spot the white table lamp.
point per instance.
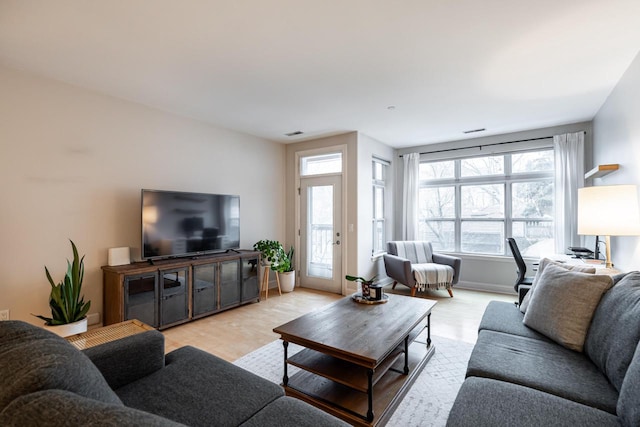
(608, 210)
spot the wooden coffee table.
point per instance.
(360, 359)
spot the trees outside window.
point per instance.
(472, 204)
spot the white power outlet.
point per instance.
(4, 314)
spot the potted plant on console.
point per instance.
(68, 309)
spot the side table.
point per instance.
(108, 333)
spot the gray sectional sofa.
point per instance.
(45, 381)
(518, 376)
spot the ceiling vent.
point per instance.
(295, 133)
(474, 130)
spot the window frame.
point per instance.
(379, 184)
(507, 179)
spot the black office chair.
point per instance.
(520, 264)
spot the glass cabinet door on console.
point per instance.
(174, 298)
(205, 289)
(250, 287)
(140, 298)
(229, 279)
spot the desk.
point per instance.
(598, 264)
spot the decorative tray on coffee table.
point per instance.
(357, 297)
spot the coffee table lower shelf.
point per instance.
(350, 404)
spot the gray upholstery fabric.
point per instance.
(485, 402)
(58, 408)
(34, 359)
(399, 267)
(193, 383)
(615, 329)
(629, 400)
(544, 262)
(541, 365)
(129, 359)
(287, 411)
(563, 303)
(505, 317)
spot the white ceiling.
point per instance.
(268, 67)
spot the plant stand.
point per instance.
(265, 282)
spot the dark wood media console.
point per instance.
(174, 291)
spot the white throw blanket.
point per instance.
(432, 276)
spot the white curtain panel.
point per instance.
(410, 196)
(569, 159)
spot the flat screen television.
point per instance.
(177, 224)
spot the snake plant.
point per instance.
(66, 302)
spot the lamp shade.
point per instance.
(608, 210)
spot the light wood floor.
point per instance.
(236, 332)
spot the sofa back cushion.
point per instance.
(615, 329)
(629, 401)
(543, 263)
(563, 304)
(416, 251)
(33, 359)
(57, 408)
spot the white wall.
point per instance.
(616, 130)
(367, 149)
(72, 163)
(481, 272)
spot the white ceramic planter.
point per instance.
(69, 329)
(287, 281)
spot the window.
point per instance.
(321, 164)
(472, 204)
(379, 182)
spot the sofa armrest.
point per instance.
(128, 359)
(399, 269)
(452, 261)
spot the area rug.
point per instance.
(428, 401)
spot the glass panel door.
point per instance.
(321, 233)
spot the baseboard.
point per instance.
(485, 287)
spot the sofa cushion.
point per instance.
(629, 401)
(59, 408)
(484, 402)
(505, 317)
(172, 392)
(544, 262)
(34, 359)
(541, 365)
(287, 411)
(615, 329)
(563, 303)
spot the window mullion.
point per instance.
(458, 207)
